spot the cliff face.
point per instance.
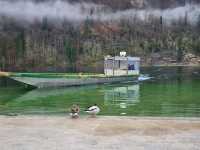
(67, 46)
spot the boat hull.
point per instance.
(64, 82)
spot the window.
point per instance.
(109, 64)
(131, 65)
(123, 65)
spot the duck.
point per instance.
(93, 110)
(75, 109)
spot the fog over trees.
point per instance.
(44, 35)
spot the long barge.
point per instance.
(116, 69)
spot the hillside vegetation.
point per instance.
(70, 46)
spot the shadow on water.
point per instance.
(174, 91)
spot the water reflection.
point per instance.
(122, 96)
(38, 94)
(172, 92)
(111, 98)
(180, 109)
(113, 95)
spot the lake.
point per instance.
(173, 91)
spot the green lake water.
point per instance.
(173, 91)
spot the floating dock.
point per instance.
(45, 80)
(116, 69)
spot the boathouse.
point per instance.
(121, 65)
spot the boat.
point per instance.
(116, 69)
(144, 77)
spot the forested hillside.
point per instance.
(79, 42)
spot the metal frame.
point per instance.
(111, 66)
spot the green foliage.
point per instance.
(46, 46)
(45, 24)
(71, 53)
(20, 43)
(87, 28)
(180, 50)
(198, 22)
(196, 46)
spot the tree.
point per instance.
(179, 50)
(20, 43)
(70, 53)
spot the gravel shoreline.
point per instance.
(101, 133)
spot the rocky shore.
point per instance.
(157, 59)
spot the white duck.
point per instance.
(93, 110)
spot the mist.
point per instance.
(58, 10)
(192, 12)
(54, 10)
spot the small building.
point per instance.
(121, 65)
